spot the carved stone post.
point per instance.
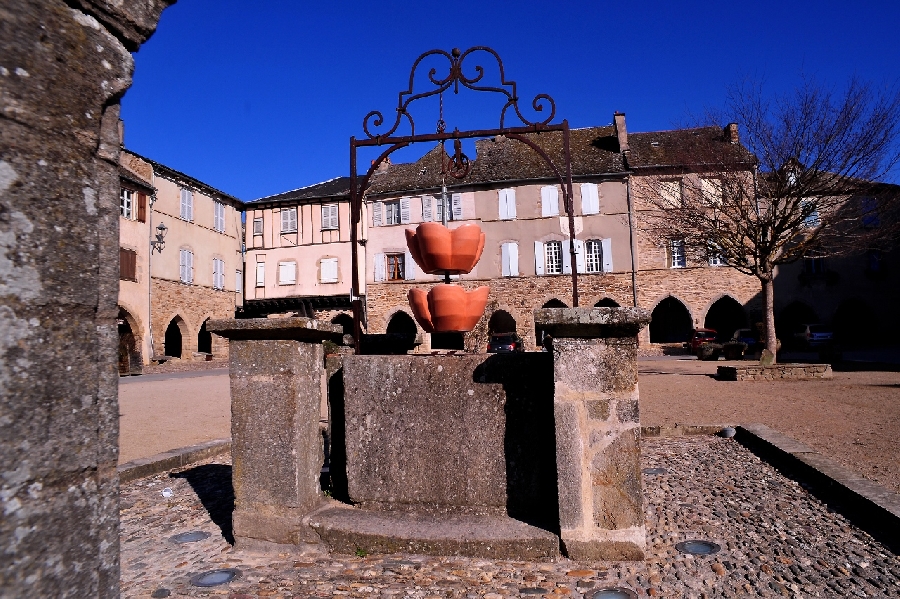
(277, 379)
(597, 430)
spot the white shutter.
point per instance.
(510, 256)
(285, 221)
(379, 268)
(182, 276)
(567, 257)
(287, 273)
(579, 256)
(504, 260)
(538, 258)
(427, 211)
(260, 274)
(329, 270)
(376, 214)
(606, 247)
(409, 267)
(190, 205)
(190, 265)
(549, 200)
(456, 204)
(507, 204)
(335, 217)
(590, 198)
(238, 281)
(404, 211)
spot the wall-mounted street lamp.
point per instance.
(159, 243)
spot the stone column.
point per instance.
(598, 430)
(277, 369)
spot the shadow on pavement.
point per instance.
(212, 484)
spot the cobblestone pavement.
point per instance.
(776, 541)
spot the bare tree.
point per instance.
(809, 183)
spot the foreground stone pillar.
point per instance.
(598, 430)
(277, 378)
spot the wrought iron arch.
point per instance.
(458, 165)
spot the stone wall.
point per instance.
(62, 72)
(193, 304)
(776, 372)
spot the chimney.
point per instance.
(383, 167)
(621, 131)
(731, 133)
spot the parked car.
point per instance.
(747, 336)
(505, 342)
(813, 335)
(699, 337)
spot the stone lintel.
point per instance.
(308, 330)
(591, 323)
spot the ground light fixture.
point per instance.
(190, 537)
(611, 593)
(654, 471)
(215, 577)
(697, 547)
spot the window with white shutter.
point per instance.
(509, 257)
(404, 211)
(395, 267)
(219, 216)
(606, 253)
(507, 204)
(553, 259)
(260, 274)
(391, 212)
(258, 226)
(126, 203)
(328, 270)
(186, 264)
(580, 262)
(376, 214)
(238, 281)
(593, 249)
(287, 273)
(329, 217)
(218, 274)
(379, 267)
(289, 220)
(427, 208)
(549, 200)
(456, 206)
(567, 257)
(590, 198)
(538, 258)
(187, 204)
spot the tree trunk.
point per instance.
(768, 288)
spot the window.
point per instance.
(509, 256)
(671, 193)
(329, 217)
(260, 274)
(549, 200)
(187, 204)
(593, 250)
(287, 273)
(814, 265)
(810, 213)
(712, 190)
(186, 262)
(219, 216)
(289, 220)
(238, 281)
(392, 212)
(590, 198)
(716, 259)
(395, 267)
(455, 201)
(257, 226)
(676, 252)
(218, 274)
(870, 218)
(328, 270)
(507, 204)
(553, 257)
(126, 203)
(127, 265)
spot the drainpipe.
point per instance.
(151, 200)
(631, 240)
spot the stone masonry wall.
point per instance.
(62, 72)
(193, 304)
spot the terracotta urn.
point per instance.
(439, 250)
(448, 308)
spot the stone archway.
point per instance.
(854, 323)
(554, 303)
(607, 302)
(176, 333)
(130, 358)
(501, 321)
(345, 321)
(204, 339)
(791, 317)
(670, 322)
(725, 316)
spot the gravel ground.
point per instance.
(853, 418)
(776, 541)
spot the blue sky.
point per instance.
(257, 97)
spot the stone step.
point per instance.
(347, 530)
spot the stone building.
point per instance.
(167, 291)
(515, 198)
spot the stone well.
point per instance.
(506, 456)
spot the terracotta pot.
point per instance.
(448, 308)
(438, 250)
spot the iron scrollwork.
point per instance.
(455, 78)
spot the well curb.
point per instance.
(869, 505)
(174, 458)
